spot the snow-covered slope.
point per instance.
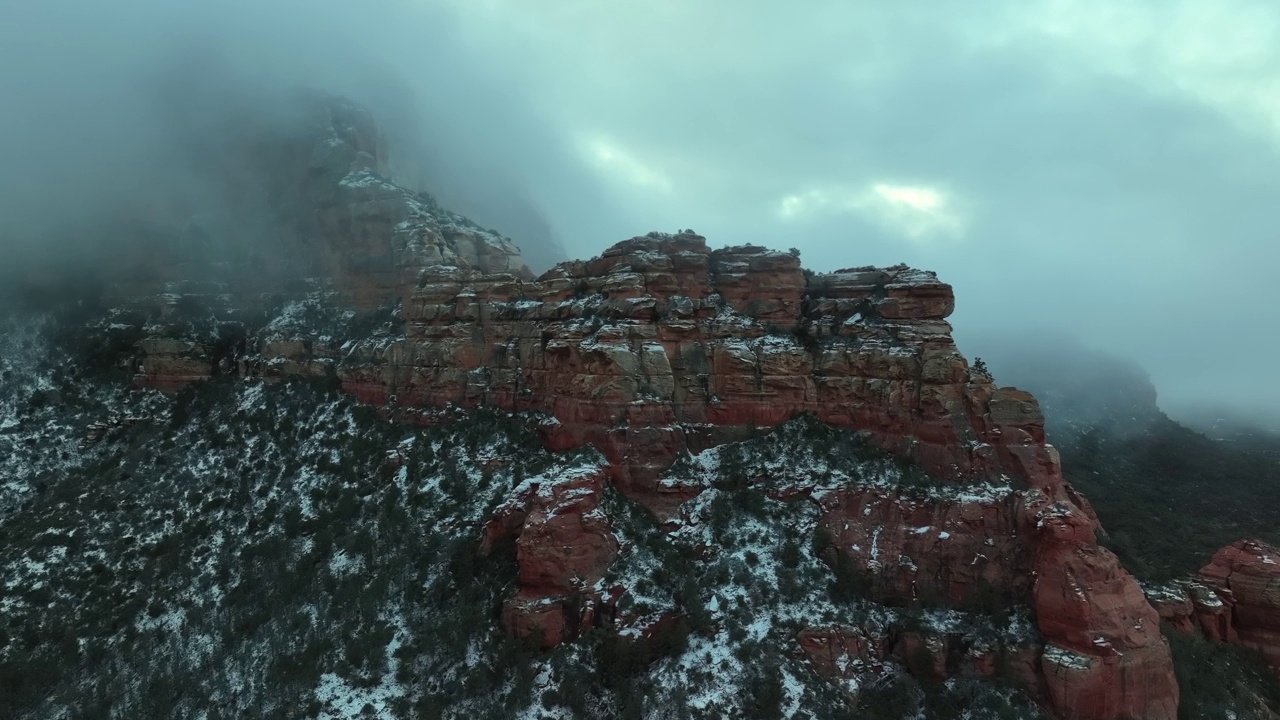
(278, 550)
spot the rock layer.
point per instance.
(1105, 656)
(1235, 599)
(661, 345)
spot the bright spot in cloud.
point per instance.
(922, 199)
(615, 161)
(798, 206)
(917, 213)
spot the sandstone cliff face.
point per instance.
(685, 347)
(1245, 576)
(564, 544)
(377, 236)
(661, 347)
(1235, 598)
(855, 655)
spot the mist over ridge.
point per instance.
(1031, 156)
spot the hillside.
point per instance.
(376, 468)
(282, 551)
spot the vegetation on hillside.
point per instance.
(280, 551)
(1170, 497)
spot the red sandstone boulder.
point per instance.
(917, 295)
(1246, 577)
(169, 364)
(544, 621)
(564, 545)
(759, 283)
(1115, 686)
(1212, 614)
(1104, 656)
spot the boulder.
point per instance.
(1245, 577)
(564, 545)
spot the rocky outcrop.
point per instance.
(1235, 598)
(844, 652)
(173, 363)
(1174, 606)
(1104, 655)
(1245, 576)
(662, 346)
(563, 545)
(1213, 616)
(302, 194)
(957, 549)
(686, 347)
(1190, 606)
(856, 656)
(353, 224)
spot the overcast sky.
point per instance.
(1110, 173)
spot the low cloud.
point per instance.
(914, 213)
(1109, 172)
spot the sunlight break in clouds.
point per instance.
(915, 212)
(622, 165)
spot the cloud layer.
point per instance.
(1106, 171)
